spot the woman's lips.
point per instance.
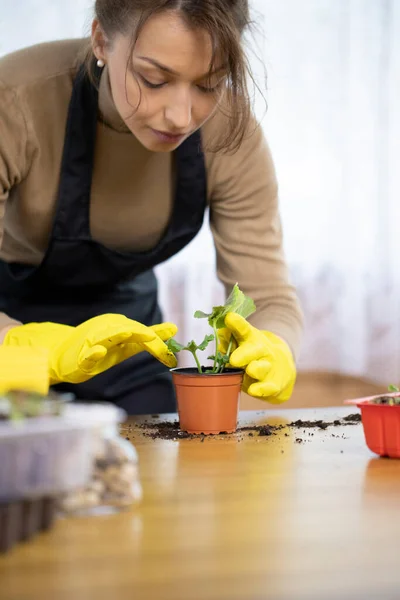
(168, 138)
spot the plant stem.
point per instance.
(215, 367)
(197, 362)
(228, 352)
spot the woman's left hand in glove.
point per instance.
(270, 370)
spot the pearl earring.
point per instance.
(100, 63)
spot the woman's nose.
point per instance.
(178, 113)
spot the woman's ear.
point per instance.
(99, 42)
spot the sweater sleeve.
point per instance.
(13, 161)
(246, 226)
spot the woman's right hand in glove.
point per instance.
(77, 354)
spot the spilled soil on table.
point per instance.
(167, 430)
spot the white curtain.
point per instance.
(333, 124)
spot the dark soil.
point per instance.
(307, 424)
(170, 430)
(349, 420)
(355, 418)
(163, 430)
(263, 430)
(266, 430)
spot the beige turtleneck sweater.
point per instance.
(131, 197)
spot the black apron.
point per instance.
(80, 278)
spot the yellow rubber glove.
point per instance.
(270, 371)
(78, 353)
(24, 369)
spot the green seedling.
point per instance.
(236, 302)
(393, 401)
(389, 400)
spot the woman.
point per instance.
(107, 165)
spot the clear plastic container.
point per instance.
(115, 483)
(102, 416)
(69, 456)
(44, 456)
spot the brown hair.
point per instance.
(224, 20)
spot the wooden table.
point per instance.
(239, 517)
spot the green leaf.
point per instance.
(222, 359)
(205, 342)
(191, 346)
(239, 303)
(236, 302)
(199, 314)
(174, 346)
(393, 388)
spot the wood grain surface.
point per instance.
(304, 514)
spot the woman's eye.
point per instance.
(207, 89)
(153, 86)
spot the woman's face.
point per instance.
(168, 94)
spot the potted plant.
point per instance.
(380, 417)
(208, 396)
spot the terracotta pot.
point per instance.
(207, 403)
(381, 423)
